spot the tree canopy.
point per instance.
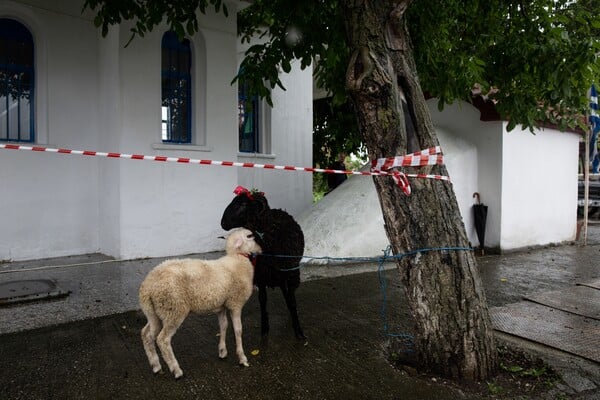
(535, 59)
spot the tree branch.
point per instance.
(394, 31)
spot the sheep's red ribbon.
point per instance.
(242, 190)
(251, 257)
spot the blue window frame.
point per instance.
(16, 82)
(176, 83)
(248, 120)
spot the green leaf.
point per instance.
(511, 125)
(98, 21)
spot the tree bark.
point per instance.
(454, 336)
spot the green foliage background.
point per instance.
(536, 59)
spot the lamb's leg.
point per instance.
(222, 316)
(149, 333)
(264, 316)
(164, 344)
(289, 295)
(236, 320)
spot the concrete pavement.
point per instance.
(87, 345)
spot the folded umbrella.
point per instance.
(480, 217)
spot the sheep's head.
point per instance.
(242, 241)
(245, 207)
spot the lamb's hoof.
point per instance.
(157, 370)
(223, 354)
(178, 374)
(244, 364)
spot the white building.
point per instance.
(528, 181)
(93, 93)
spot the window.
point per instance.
(248, 121)
(16, 82)
(176, 109)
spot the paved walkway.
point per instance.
(103, 358)
(345, 357)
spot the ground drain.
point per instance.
(29, 290)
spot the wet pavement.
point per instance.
(87, 345)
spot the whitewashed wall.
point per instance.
(349, 223)
(516, 174)
(93, 93)
(460, 157)
(287, 140)
(539, 187)
(290, 127)
(50, 202)
(473, 154)
(109, 111)
(169, 208)
(528, 182)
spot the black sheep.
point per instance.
(278, 234)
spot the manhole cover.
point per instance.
(29, 290)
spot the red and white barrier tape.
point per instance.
(420, 158)
(430, 156)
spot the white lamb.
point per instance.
(175, 288)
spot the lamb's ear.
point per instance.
(238, 242)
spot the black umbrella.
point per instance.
(480, 216)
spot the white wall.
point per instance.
(348, 222)
(516, 173)
(290, 127)
(539, 181)
(94, 93)
(460, 157)
(109, 112)
(473, 155)
(49, 201)
(171, 209)
(529, 183)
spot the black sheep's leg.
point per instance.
(264, 316)
(290, 300)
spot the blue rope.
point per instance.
(383, 288)
(408, 338)
(380, 259)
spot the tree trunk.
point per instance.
(454, 336)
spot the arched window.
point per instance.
(176, 109)
(16, 82)
(248, 120)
